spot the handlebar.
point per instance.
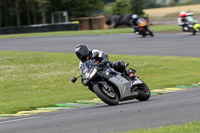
(104, 62)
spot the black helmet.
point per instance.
(82, 52)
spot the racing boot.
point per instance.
(131, 73)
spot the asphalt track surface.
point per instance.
(173, 108)
(162, 44)
(160, 110)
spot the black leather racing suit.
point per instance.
(100, 56)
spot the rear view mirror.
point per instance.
(73, 79)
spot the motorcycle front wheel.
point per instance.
(143, 92)
(151, 33)
(110, 97)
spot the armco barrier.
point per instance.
(40, 28)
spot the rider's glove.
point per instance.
(104, 62)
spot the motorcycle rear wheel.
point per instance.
(194, 32)
(110, 98)
(142, 32)
(143, 92)
(143, 35)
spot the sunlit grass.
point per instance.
(161, 12)
(34, 79)
(157, 28)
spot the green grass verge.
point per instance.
(35, 79)
(166, 28)
(192, 127)
(159, 28)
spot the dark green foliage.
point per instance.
(39, 11)
(176, 1)
(151, 4)
(121, 7)
(196, 1)
(82, 8)
(108, 1)
(137, 6)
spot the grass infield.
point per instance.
(38, 79)
(157, 28)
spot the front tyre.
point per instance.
(151, 33)
(110, 97)
(143, 92)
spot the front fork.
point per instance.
(105, 85)
(134, 83)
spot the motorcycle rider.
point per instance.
(182, 19)
(84, 54)
(133, 22)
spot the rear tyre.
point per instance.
(194, 32)
(143, 92)
(109, 97)
(143, 34)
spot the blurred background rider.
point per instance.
(183, 20)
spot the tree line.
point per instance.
(29, 12)
(121, 7)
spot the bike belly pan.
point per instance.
(123, 85)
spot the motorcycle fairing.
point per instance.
(196, 26)
(122, 84)
(136, 81)
(142, 22)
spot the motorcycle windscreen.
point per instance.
(87, 65)
(87, 68)
(190, 19)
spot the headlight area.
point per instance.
(93, 73)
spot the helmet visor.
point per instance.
(81, 56)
